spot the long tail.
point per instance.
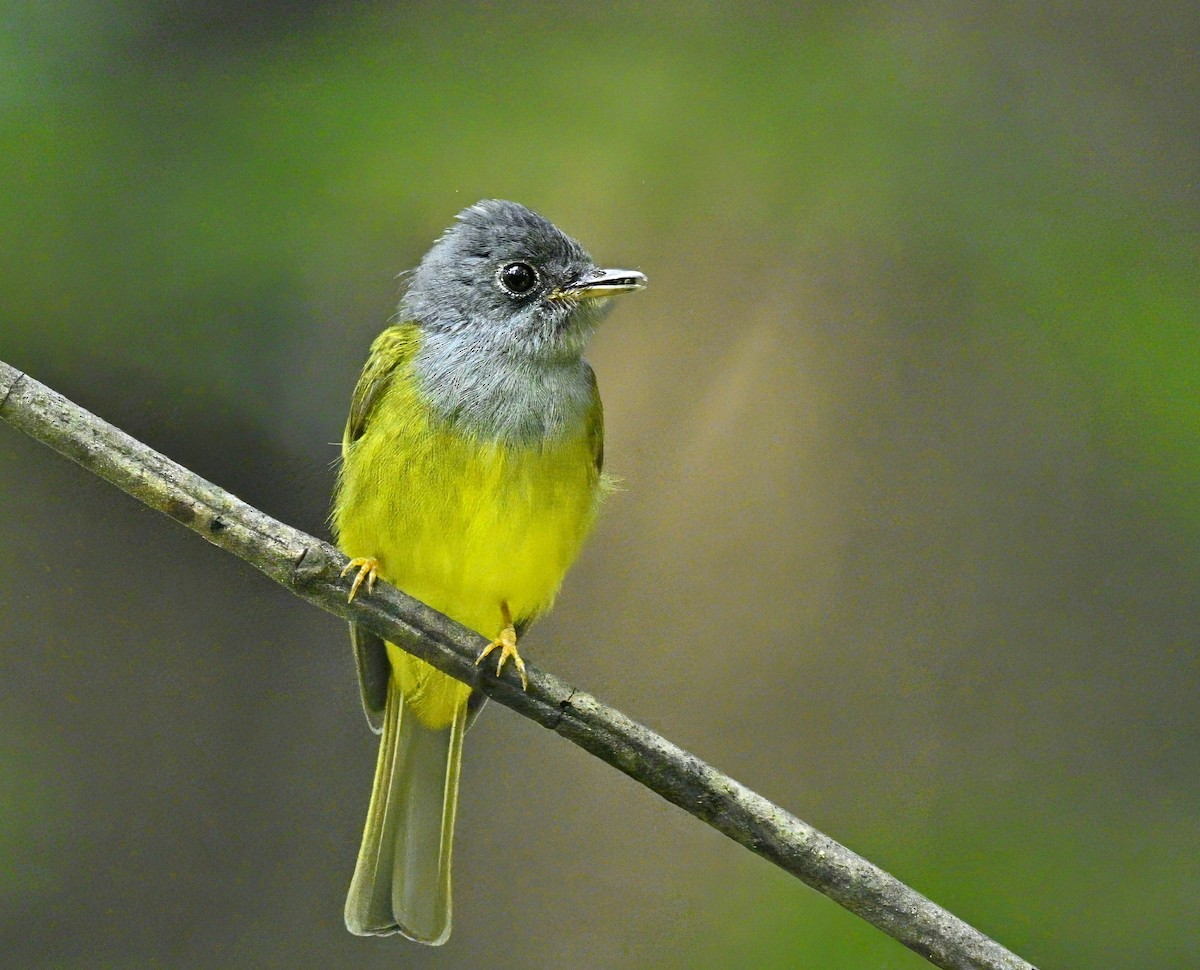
(402, 880)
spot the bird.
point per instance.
(471, 474)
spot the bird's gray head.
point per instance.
(503, 279)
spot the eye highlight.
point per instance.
(517, 278)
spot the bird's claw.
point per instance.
(368, 571)
(507, 645)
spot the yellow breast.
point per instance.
(461, 523)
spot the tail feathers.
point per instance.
(402, 880)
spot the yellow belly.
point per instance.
(462, 524)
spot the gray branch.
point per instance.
(310, 568)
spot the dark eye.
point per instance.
(518, 278)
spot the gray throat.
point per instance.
(502, 397)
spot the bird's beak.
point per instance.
(602, 283)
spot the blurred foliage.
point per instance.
(175, 172)
(975, 223)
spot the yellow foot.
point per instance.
(368, 569)
(507, 642)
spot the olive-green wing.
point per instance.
(374, 671)
(595, 423)
(390, 351)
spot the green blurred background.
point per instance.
(908, 418)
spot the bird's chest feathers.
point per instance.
(495, 397)
(461, 514)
